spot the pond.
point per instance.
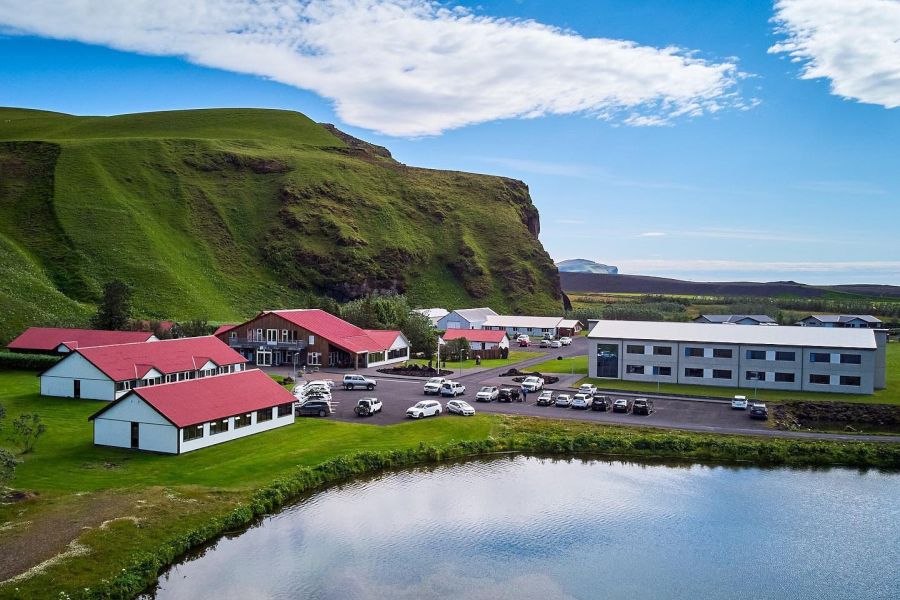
(534, 528)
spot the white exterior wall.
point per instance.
(233, 434)
(399, 344)
(156, 434)
(59, 380)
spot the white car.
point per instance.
(556, 344)
(582, 401)
(739, 402)
(312, 391)
(565, 340)
(587, 388)
(487, 394)
(460, 407)
(433, 385)
(545, 399)
(425, 408)
(452, 388)
(367, 407)
(323, 382)
(563, 400)
(533, 384)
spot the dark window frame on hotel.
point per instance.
(693, 351)
(693, 373)
(722, 374)
(634, 369)
(851, 380)
(785, 377)
(819, 379)
(722, 353)
(635, 349)
(662, 350)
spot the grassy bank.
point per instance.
(488, 363)
(117, 516)
(572, 364)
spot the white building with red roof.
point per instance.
(479, 339)
(62, 340)
(108, 372)
(313, 337)
(175, 418)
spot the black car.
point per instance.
(508, 395)
(313, 408)
(641, 406)
(601, 403)
(759, 411)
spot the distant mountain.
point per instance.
(583, 265)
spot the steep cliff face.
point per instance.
(219, 213)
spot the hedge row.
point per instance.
(145, 569)
(29, 362)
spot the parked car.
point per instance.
(587, 388)
(641, 406)
(533, 384)
(556, 344)
(460, 407)
(314, 408)
(329, 383)
(581, 401)
(452, 388)
(508, 395)
(367, 407)
(425, 408)
(739, 402)
(565, 340)
(545, 343)
(433, 385)
(600, 403)
(523, 340)
(351, 382)
(758, 410)
(545, 399)
(620, 405)
(301, 390)
(563, 400)
(487, 393)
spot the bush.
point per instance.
(30, 362)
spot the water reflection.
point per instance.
(520, 527)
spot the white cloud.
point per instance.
(403, 67)
(652, 234)
(737, 266)
(853, 43)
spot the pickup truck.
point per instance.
(367, 407)
(433, 385)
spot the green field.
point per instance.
(569, 365)
(488, 363)
(221, 213)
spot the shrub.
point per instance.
(30, 362)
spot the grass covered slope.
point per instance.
(219, 213)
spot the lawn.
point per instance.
(572, 364)
(489, 363)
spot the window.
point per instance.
(756, 354)
(218, 427)
(608, 360)
(170, 378)
(285, 410)
(693, 372)
(635, 369)
(662, 350)
(721, 374)
(232, 335)
(284, 335)
(784, 377)
(663, 371)
(722, 353)
(314, 358)
(398, 353)
(696, 352)
(756, 375)
(850, 380)
(192, 432)
(375, 357)
(785, 356)
(820, 379)
(271, 335)
(819, 357)
(121, 386)
(259, 335)
(851, 359)
(634, 349)
(264, 415)
(242, 421)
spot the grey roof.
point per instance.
(816, 337)
(475, 314)
(522, 321)
(736, 318)
(432, 313)
(843, 318)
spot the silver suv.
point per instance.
(351, 382)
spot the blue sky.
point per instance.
(755, 172)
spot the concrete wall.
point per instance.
(59, 380)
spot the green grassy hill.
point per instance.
(220, 213)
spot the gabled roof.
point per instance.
(475, 335)
(569, 323)
(432, 313)
(50, 338)
(843, 318)
(199, 400)
(122, 362)
(338, 331)
(737, 318)
(475, 314)
(810, 337)
(522, 321)
(224, 328)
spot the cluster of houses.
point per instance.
(841, 321)
(174, 396)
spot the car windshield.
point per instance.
(421, 405)
(435, 380)
(485, 389)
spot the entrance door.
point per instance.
(135, 435)
(272, 336)
(77, 391)
(264, 358)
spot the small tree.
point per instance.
(7, 467)
(114, 311)
(192, 328)
(421, 334)
(26, 430)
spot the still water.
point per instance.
(532, 528)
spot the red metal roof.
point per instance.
(337, 331)
(48, 339)
(132, 361)
(210, 398)
(475, 335)
(223, 328)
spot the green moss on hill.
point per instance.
(221, 213)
